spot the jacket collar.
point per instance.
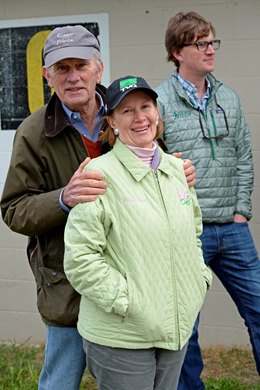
(56, 120)
(215, 84)
(135, 166)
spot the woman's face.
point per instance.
(136, 118)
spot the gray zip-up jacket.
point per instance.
(224, 165)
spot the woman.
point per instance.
(134, 254)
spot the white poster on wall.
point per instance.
(23, 89)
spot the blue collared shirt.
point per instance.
(192, 93)
(81, 126)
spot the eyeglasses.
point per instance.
(203, 45)
(215, 136)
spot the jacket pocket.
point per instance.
(58, 302)
(135, 305)
(145, 318)
(207, 276)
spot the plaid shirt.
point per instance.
(192, 93)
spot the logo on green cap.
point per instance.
(127, 83)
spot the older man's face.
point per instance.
(74, 81)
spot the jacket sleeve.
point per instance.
(199, 227)
(27, 206)
(245, 170)
(85, 265)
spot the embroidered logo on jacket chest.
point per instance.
(183, 196)
(181, 114)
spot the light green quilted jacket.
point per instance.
(135, 257)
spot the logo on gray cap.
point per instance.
(69, 42)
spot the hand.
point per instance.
(189, 170)
(239, 218)
(83, 186)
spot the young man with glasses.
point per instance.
(204, 120)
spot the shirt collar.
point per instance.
(79, 124)
(72, 115)
(192, 92)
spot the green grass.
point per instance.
(228, 384)
(225, 369)
(230, 369)
(19, 368)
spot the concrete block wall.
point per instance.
(136, 36)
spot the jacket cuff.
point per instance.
(64, 207)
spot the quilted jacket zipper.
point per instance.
(177, 335)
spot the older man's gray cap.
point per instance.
(69, 42)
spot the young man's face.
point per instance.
(195, 63)
(74, 81)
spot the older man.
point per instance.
(45, 180)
